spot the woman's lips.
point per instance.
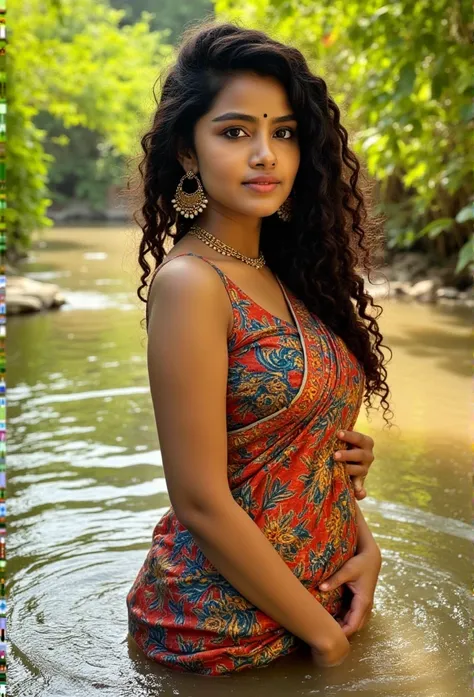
(261, 188)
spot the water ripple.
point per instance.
(415, 516)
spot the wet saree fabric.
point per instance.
(290, 390)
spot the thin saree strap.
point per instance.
(184, 254)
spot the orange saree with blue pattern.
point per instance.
(290, 389)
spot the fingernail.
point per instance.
(324, 586)
(337, 456)
(341, 434)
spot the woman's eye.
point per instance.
(290, 131)
(230, 130)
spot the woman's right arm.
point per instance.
(187, 365)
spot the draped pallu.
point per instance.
(290, 390)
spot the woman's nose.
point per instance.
(264, 155)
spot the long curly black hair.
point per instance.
(317, 254)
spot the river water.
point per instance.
(86, 487)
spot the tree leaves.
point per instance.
(85, 71)
(466, 255)
(434, 228)
(406, 79)
(466, 213)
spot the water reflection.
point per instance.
(86, 487)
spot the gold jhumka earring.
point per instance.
(286, 209)
(189, 204)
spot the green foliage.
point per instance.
(27, 162)
(84, 167)
(402, 72)
(166, 15)
(465, 214)
(75, 67)
(466, 255)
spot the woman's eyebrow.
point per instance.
(233, 115)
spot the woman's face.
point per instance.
(260, 140)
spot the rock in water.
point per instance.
(27, 295)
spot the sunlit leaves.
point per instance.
(78, 66)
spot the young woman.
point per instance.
(260, 353)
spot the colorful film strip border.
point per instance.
(3, 246)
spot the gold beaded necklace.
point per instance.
(223, 248)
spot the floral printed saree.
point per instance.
(291, 388)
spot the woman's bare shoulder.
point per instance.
(188, 284)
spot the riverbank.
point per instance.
(412, 277)
(409, 277)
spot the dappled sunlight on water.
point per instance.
(86, 488)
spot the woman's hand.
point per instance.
(360, 574)
(362, 454)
